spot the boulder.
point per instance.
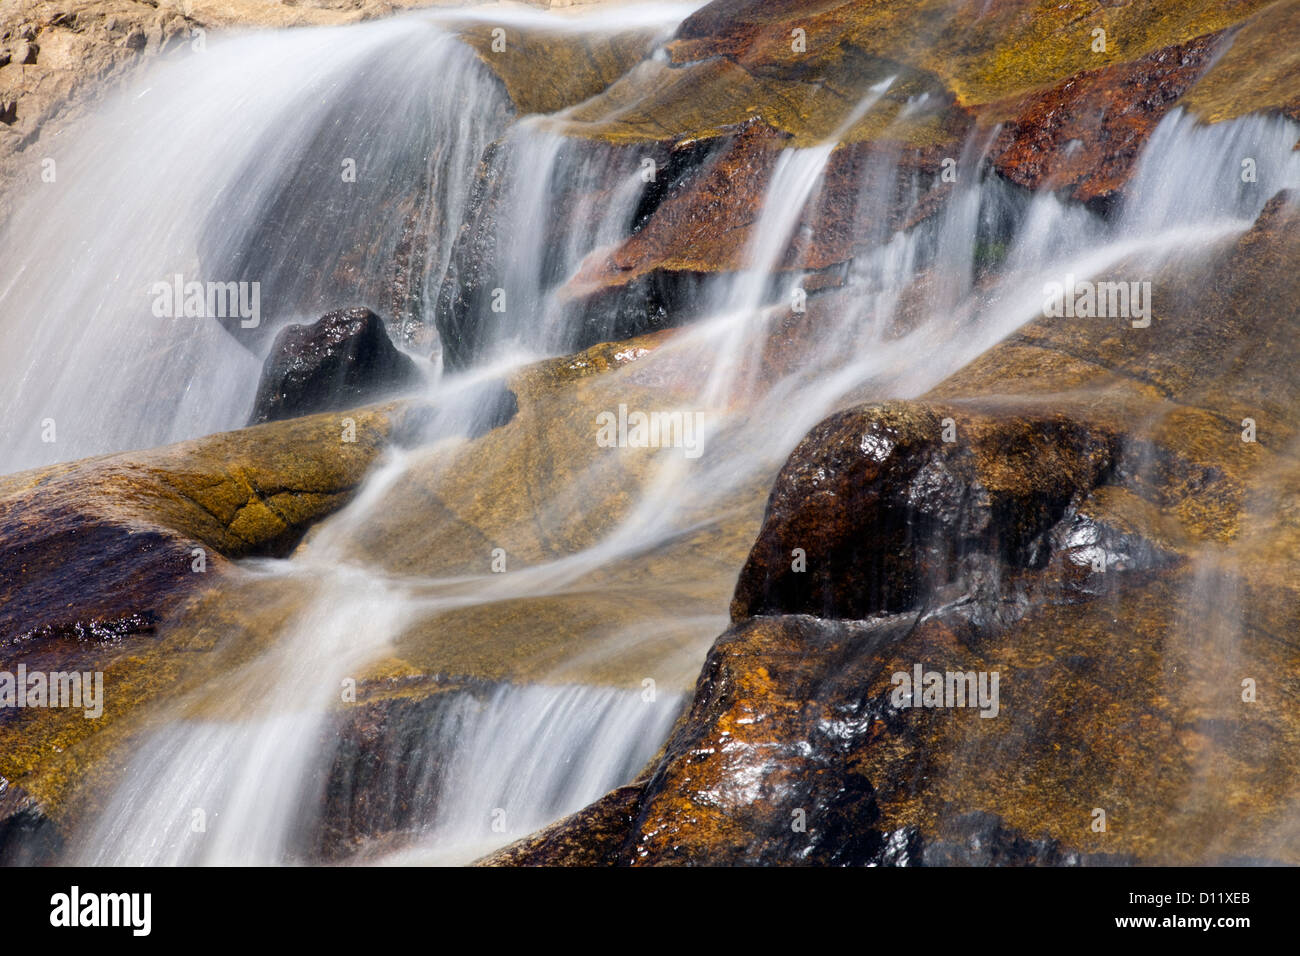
(97, 557)
(876, 509)
(342, 360)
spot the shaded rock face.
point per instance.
(343, 359)
(482, 302)
(377, 230)
(27, 837)
(382, 779)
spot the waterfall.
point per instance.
(253, 128)
(272, 158)
(510, 764)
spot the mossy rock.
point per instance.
(101, 555)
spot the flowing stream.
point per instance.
(188, 170)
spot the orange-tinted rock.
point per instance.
(708, 221)
(1084, 135)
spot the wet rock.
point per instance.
(27, 837)
(1259, 71)
(875, 508)
(479, 303)
(1133, 586)
(704, 222)
(542, 489)
(798, 750)
(1083, 136)
(1012, 80)
(385, 772)
(372, 231)
(982, 839)
(97, 556)
(594, 836)
(546, 69)
(342, 360)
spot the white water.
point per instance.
(176, 177)
(534, 752)
(529, 755)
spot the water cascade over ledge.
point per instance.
(525, 609)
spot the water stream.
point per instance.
(253, 127)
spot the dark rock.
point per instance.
(594, 836)
(27, 836)
(382, 782)
(480, 264)
(98, 557)
(887, 513)
(343, 360)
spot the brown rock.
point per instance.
(97, 556)
(1084, 135)
(1141, 565)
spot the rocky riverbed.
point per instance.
(823, 234)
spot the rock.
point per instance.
(1099, 535)
(541, 488)
(1083, 136)
(545, 69)
(1259, 71)
(594, 836)
(704, 222)
(27, 837)
(384, 776)
(882, 509)
(98, 556)
(342, 360)
(1066, 117)
(470, 313)
(74, 54)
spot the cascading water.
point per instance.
(295, 160)
(533, 751)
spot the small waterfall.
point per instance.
(537, 752)
(299, 160)
(503, 767)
